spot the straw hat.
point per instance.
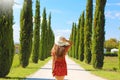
(59, 41)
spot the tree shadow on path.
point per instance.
(19, 78)
(13, 78)
(40, 79)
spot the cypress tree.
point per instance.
(36, 33)
(88, 31)
(78, 39)
(81, 46)
(48, 36)
(71, 38)
(6, 37)
(98, 35)
(51, 34)
(46, 40)
(50, 40)
(43, 36)
(75, 31)
(76, 43)
(26, 32)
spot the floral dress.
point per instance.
(59, 66)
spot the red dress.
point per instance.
(59, 66)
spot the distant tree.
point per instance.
(81, 47)
(43, 36)
(6, 36)
(111, 43)
(88, 31)
(26, 33)
(36, 36)
(98, 35)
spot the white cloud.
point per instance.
(117, 14)
(109, 14)
(16, 33)
(62, 32)
(113, 4)
(94, 3)
(55, 11)
(109, 4)
(69, 22)
(113, 14)
(17, 6)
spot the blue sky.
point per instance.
(65, 12)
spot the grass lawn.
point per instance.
(17, 72)
(110, 69)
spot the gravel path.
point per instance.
(75, 72)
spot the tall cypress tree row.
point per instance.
(43, 35)
(81, 53)
(98, 35)
(6, 36)
(26, 32)
(88, 31)
(36, 33)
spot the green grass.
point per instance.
(17, 72)
(110, 69)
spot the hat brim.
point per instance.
(61, 43)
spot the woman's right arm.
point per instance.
(53, 56)
(67, 47)
(53, 50)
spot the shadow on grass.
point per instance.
(19, 78)
(12, 78)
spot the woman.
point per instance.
(59, 67)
